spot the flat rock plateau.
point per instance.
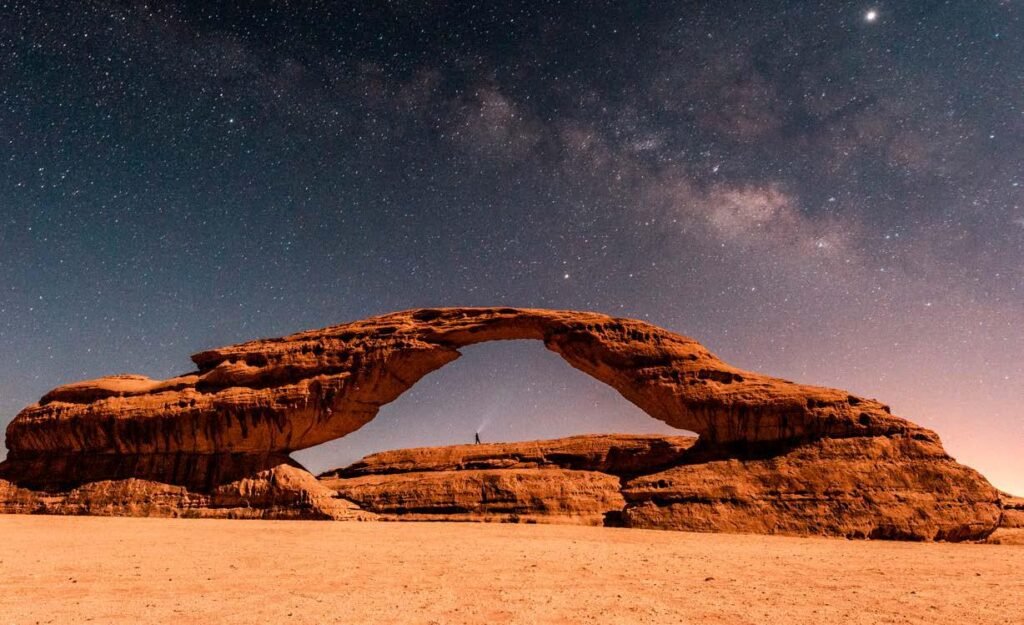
(121, 571)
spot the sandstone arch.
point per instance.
(282, 395)
(249, 405)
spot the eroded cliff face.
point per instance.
(247, 406)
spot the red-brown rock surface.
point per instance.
(567, 480)
(282, 395)
(1013, 512)
(547, 495)
(249, 405)
(875, 487)
(282, 492)
(616, 454)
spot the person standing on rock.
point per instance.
(477, 437)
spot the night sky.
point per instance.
(828, 192)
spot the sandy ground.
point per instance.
(106, 570)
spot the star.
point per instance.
(871, 15)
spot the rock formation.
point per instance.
(1013, 512)
(570, 480)
(877, 487)
(857, 487)
(286, 491)
(615, 454)
(510, 495)
(248, 406)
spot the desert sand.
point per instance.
(146, 570)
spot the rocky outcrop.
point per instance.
(877, 487)
(1013, 511)
(247, 406)
(546, 495)
(568, 480)
(615, 454)
(282, 492)
(1011, 526)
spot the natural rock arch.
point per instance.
(773, 456)
(286, 394)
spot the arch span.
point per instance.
(216, 441)
(500, 390)
(275, 396)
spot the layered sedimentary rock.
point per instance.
(569, 480)
(877, 487)
(615, 454)
(544, 495)
(247, 406)
(282, 492)
(1013, 512)
(1011, 527)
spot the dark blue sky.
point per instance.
(811, 193)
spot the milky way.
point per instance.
(832, 193)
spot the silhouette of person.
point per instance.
(477, 435)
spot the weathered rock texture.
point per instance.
(569, 480)
(875, 487)
(282, 492)
(249, 405)
(281, 395)
(518, 495)
(615, 454)
(1013, 512)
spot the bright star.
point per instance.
(871, 15)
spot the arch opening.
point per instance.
(505, 390)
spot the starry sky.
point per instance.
(831, 192)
